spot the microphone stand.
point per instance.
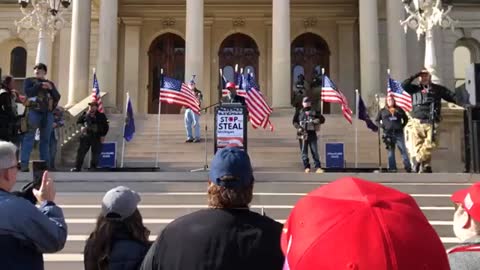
(205, 165)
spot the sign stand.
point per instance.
(335, 155)
(230, 126)
(205, 165)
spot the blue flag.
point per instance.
(129, 130)
(363, 115)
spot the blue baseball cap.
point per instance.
(231, 161)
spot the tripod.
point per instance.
(205, 165)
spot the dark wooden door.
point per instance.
(166, 52)
(238, 49)
(310, 53)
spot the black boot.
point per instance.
(427, 169)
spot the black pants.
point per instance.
(85, 143)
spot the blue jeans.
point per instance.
(400, 143)
(311, 143)
(53, 150)
(43, 121)
(192, 119)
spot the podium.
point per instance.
(231, 126)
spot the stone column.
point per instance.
(397, 40)
(281, 53)
(107, 51)
(132, 59)
(346, 65)
(63, 63)
(369, 50)
(194, 42)
(78, 86)
(209, 93)
(44, 49)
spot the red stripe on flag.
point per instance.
(184, 97)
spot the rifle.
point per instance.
(433, 118)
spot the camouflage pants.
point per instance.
(422, 141)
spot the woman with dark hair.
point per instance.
(8, 111)
(120, 240)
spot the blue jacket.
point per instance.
(125, 254)
(27, 232)
(34, 91)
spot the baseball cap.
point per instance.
(356, 224)
(231, 161)
(120, 203)
(306, 99)
(470, 200)
(40, 66)
(93, 103)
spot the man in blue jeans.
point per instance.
(193, 119)
(42, 99)
(307, 121)
(393, 120)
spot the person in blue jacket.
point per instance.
(27, 232)
(42, 99)
(120, 240)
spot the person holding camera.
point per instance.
(307, 121)
(393, 120)
(94, 129)
(26, 232)
(426, 115)
(42, 99)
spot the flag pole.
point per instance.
(377, 98)
(124, 124)
(321, 90)
(357, 99)
(90, 151)
(158, 121)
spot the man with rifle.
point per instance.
(307, 121)
(426, 115)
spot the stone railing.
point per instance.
(71, 130)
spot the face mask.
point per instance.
(460, 218)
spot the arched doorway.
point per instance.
(166, 52)
(310, 53)
(238, 49)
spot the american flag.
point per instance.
(96, 93)
(401, 97)
(331, 94)
(173, 91)
(258, 109)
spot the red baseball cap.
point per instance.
(470, 200)
(230, 85)
(360, 225)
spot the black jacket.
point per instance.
(301, 119)
(395, 121)
(126, 254)
(218, 239)
(8, 118)
(236, 99)
(96, 126)
(422, 99)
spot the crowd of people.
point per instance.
(422, 120)
(349, 223)
(35, 119)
